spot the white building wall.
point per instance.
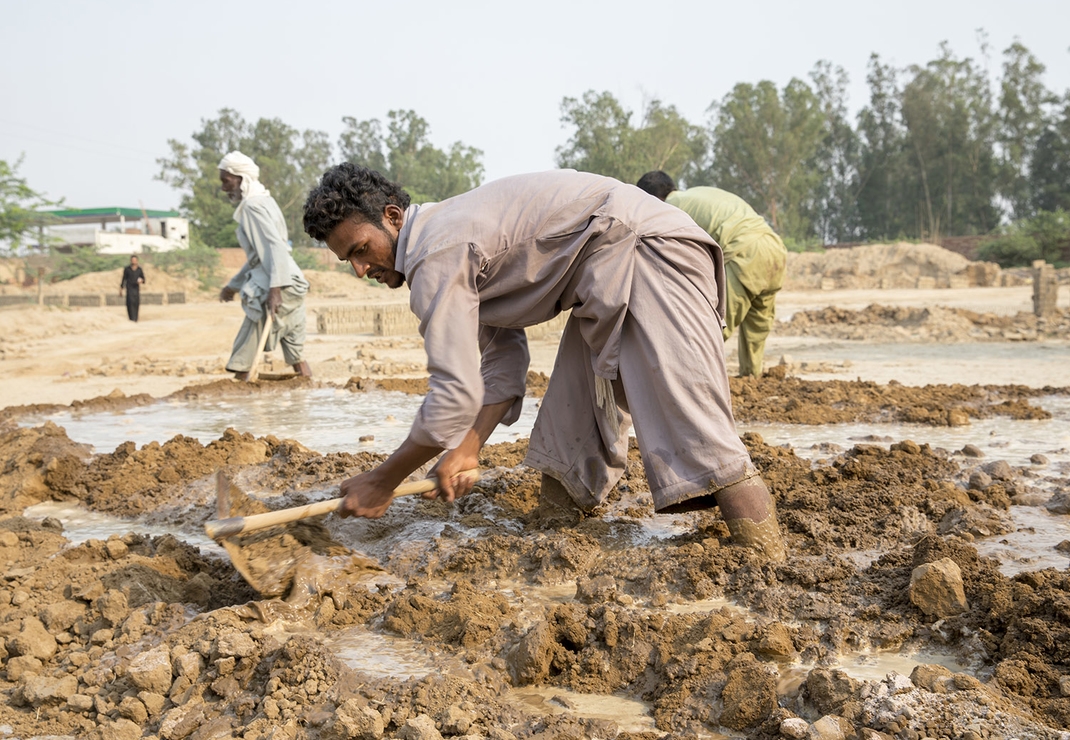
(110, 242)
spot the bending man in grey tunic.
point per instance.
(642, 346)
(269, 281)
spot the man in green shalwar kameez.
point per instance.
(755, 260)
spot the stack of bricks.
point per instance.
(346, 319)
(395, 319)
(90, 300)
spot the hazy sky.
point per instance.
(92, 91)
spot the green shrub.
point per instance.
(81, 260)
(1051, 231)
(803, 245)
(1044, 236)
(1010, 250)
(197, 261)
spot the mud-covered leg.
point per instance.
(750, 513)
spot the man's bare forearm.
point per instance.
(489, 417)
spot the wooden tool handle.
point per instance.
(235, 525)
(261, 343)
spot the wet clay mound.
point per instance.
(878, 323)
(44, 463)
(114, 401)
(232, 387)
(902, 501)
(118, 401)
(31, 457)
(98, 639)
(776, 398)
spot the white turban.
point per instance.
(244, 167)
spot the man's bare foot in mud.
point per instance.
(303, 369)
(244, 375)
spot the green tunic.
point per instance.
(755, 263)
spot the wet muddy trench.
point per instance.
(926, 594)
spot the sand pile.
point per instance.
(901, 265)
(339, 284)
(107, 282)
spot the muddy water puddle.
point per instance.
(924, 363)
(80, 525)
(1031, 546)
(386, 656)
(323, 419)
(630, 715)
(998, 437)
(334, 420)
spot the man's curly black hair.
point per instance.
(348, 189)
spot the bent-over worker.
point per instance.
(270, 280)
(642, 346)
(755, 260)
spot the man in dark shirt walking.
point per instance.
(133, 278)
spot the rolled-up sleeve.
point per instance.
(504, 368)
(445, 298)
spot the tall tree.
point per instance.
(19, 206)
(833, 207)
(405, 155)
(951, 131)
(763, 142)
(1023, 116)
(290, 162)
(1049, 173)
(882, 165)
(605, 142)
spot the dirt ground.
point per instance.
(493, 597)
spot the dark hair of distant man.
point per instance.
(657, 183)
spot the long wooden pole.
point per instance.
(235, 525)
(260, 347)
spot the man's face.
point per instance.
(231, 186)
(371, 250)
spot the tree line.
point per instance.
(938, 149)
(291, 162)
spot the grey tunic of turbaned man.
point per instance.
(262, 235)
(642, 345)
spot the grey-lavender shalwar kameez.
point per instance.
(646, 289)
(269, 264)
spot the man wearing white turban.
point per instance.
(270, 281)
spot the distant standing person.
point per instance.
(133, 279)
(270, 280)
(755, 260)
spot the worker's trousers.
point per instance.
(753, 314)
(672, 386)
(287, 331)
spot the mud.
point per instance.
(135, 636)
(536, 384)
(778, 397)
(929, 324)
